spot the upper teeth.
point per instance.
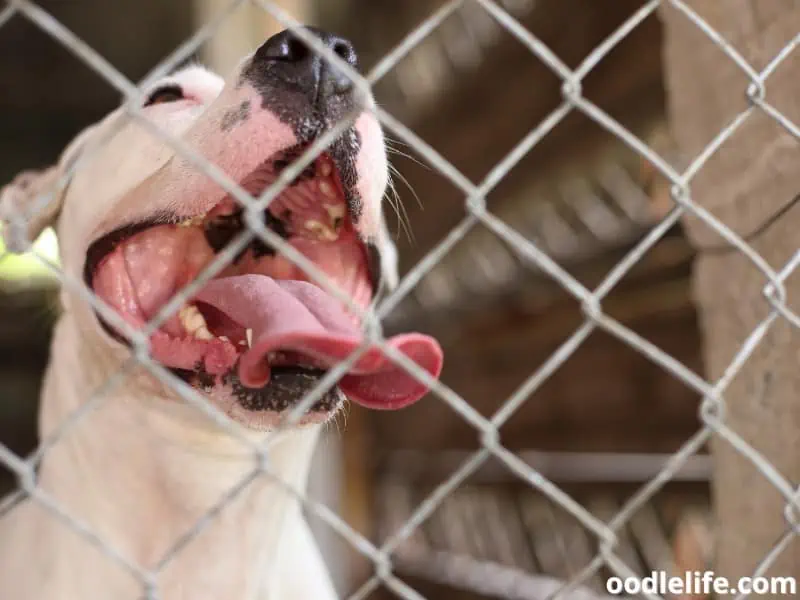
(327, 189)
(249, 335)
(335, 211)
(322, 231)
(192, 222)
(194, 322)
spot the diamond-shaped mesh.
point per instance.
(606, 532)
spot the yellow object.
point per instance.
(18, 267)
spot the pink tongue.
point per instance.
(300, 317)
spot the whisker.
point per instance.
(391, 140)
(409, 157)
(408, 185)
(399, 208)
(394, 200)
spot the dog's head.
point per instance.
(139, 221)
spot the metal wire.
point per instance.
(712, 409)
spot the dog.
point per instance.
(136, 223)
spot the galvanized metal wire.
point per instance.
(712, 413)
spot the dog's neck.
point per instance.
(143, 472)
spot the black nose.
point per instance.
(286, 58)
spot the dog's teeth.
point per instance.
(194, 323)
(224, 338)
(326, 170)
(202, 333)
(187, 315)
(327, 189)
(335, 211)
(193, 222)
(249, 335)
(321, 231)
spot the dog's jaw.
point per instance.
(136, 269)
(243, 142)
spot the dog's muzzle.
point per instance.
(262, 330)
(301, 87)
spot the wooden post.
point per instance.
(244, 30)
(748, 179)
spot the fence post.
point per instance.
(751, 176)
(243, 30)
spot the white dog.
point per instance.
(137, 223)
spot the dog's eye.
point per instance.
(164, 95)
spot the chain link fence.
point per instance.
(712, 409)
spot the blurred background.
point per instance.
(600, 426)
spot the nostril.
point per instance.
(297, 51)
(286, 58)
(285, 48)
(345, 51)
(342, 49)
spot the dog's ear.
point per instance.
(28, 204)
(32, 201)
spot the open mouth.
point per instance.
(261, 323)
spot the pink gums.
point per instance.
(269, 295)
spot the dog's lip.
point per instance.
(105, 243)
(265, 305)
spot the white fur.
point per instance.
(142, 469)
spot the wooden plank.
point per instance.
(466, 504)
(624, 83)
(506, 530)
(578, 545)
(744, 187)
(535, 293)
(397, 503)
(455, 531)
(540, 526)
(492, 527)
(564, 467)
(605, 507)
(693, 544)
(675, 502)
(651, 538)
(358, 493)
